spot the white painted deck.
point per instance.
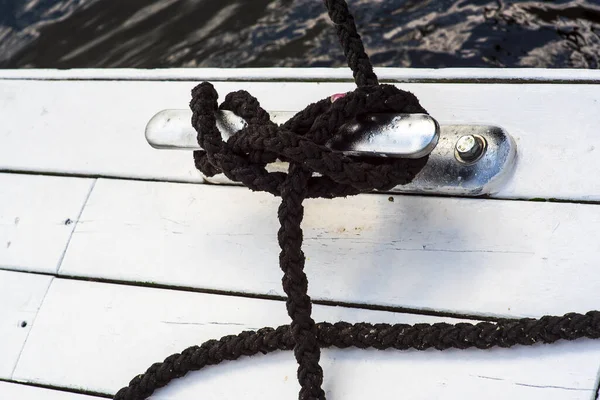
(113, 255)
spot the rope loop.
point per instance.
(301, 140)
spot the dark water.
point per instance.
(257, 33)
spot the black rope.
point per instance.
(300, 141)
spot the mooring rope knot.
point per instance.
(301, 141)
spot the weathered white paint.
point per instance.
(20, 298)
(113, 332)
(515, 75)
(37, 217)
(97, 128)
(468, 255)
(15, 391)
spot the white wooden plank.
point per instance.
(37, 217)
(310, 74)
(113, 332)
(14, 391)
(467, 255)
(555, 126)
(20, 298)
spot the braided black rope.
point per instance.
(441, 336)
(300, 141)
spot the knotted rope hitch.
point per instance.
(464, 160)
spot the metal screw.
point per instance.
(470, 148)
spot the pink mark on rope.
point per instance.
(337, 96)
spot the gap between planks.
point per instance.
(83, 205)
(53, 391)
(21, 297)
(596, 394)
(96, 177)
(359, 306)
(32, 323)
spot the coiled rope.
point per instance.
(300, 141)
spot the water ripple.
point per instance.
(297, 33)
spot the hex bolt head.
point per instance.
(470, 148)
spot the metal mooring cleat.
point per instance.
(464, 160)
